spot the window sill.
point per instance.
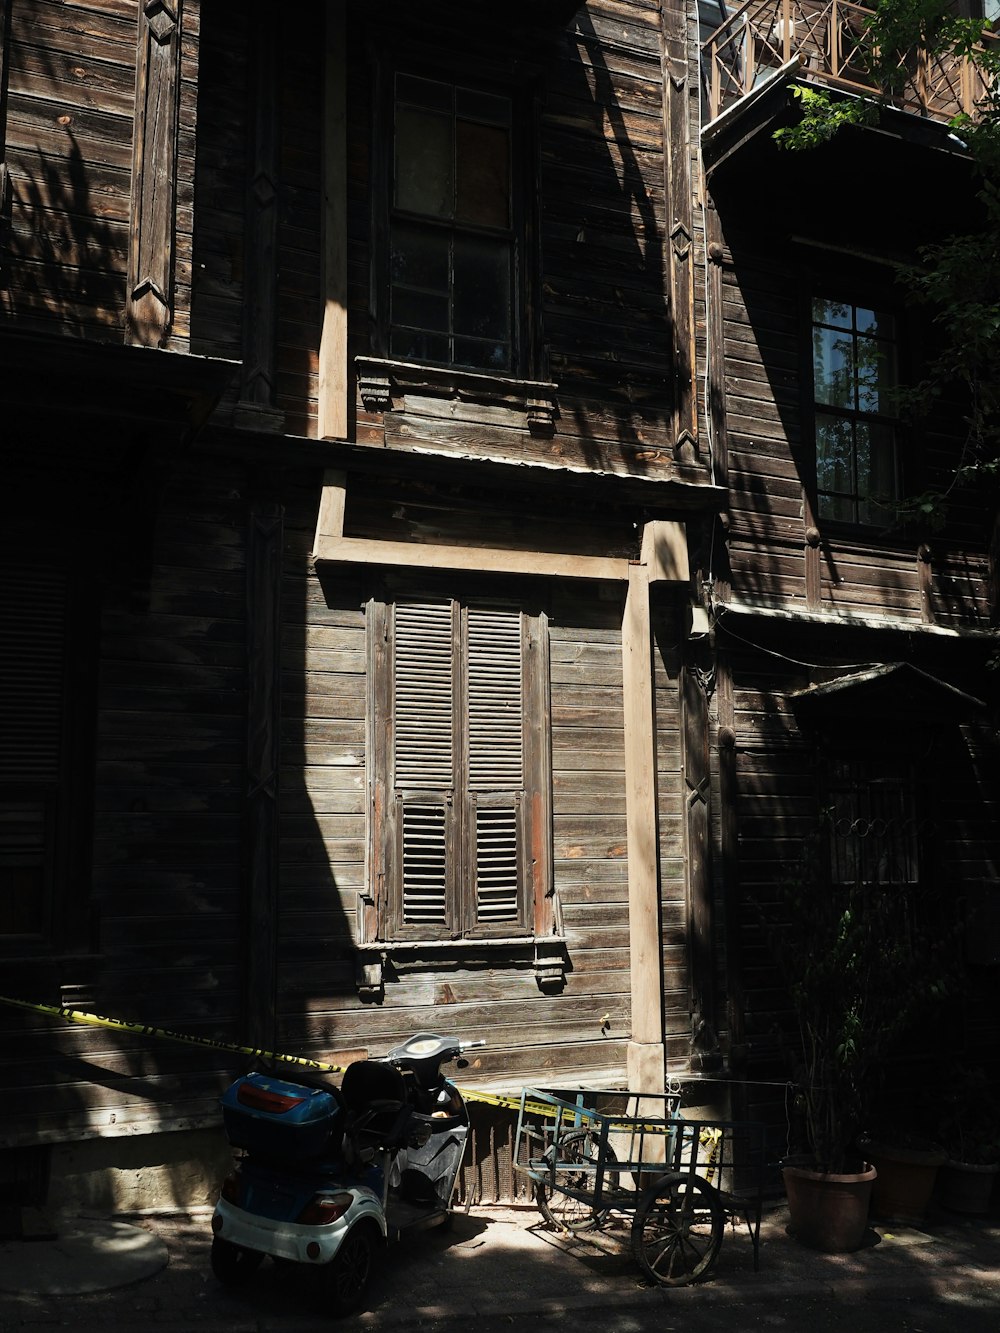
(549, 955)
(383, 385)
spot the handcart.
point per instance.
(682, 1179)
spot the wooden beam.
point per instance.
(333, 378)
(265, 541)
(664, 552)
(332, 503)
(646, 1048)
(149, 295)
(478, 559)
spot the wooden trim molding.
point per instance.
(383, 384)
(149, 297)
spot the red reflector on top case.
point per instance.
(259, 1099)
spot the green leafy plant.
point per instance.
(861, 966)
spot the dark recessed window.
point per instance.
(452, 245)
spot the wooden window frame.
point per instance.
(857, 497)
(520, 86)
(383, 916)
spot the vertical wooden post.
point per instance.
(149, 297)
(680, 250)
(265, 540)
(260, 281)
(730, 873)
(646, 1057)
(697, 806)
(4, 170)
(333, 379)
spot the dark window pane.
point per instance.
(833, 369)
(834, 455)
(876, 375)
(478, 354)
(424, 182)
(831, 312)
(420, 310)
(875, 321)
(412, 345)
(419, 257)
(483, 175)
(482, 288)
(482, 106)
(428, 93)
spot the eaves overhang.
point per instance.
(655, 490)
(892, 689)
(47, 380)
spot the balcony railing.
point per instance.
(828, 37)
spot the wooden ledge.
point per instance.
(382, 383)
(473, 559)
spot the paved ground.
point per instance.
(502, 1270)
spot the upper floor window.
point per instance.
(873, 823)
(452, 241)
(854, 359)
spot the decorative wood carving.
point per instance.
(148, 306)
(382, 385)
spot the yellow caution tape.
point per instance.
(508, 1102)
(145, 1030)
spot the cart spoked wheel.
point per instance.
(677, 1230)
(560, 1209)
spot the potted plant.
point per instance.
(857, 970)
(970, 1133)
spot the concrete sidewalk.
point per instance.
(493, 1262)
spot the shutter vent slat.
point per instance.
(423, 692)
(495, 712)
(424, 864)
(32, 652)
(497, 896)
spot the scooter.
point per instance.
(328, 1173)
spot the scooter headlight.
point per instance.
(322, 1209)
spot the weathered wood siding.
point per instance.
(905, 574)
(71, 77)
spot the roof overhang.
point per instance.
(893, 691)
(905, 175)
(47, 379)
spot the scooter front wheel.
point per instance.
(234, 1264)
(345, 1278)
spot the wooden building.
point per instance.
(416, 563)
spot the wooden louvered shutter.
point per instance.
(33, 604)
(496, 767)
(423, 763)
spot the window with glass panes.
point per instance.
(452, 240)
(854, 355)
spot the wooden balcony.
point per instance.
(828, 37)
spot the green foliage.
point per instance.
(862, 963)
(822, 117)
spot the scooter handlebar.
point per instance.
(470, 1045)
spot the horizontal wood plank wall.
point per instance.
(71, 89)
(532, 1037)
(166, 846)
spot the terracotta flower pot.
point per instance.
(906, 1180)
(828, 1211)
(966, 1187)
